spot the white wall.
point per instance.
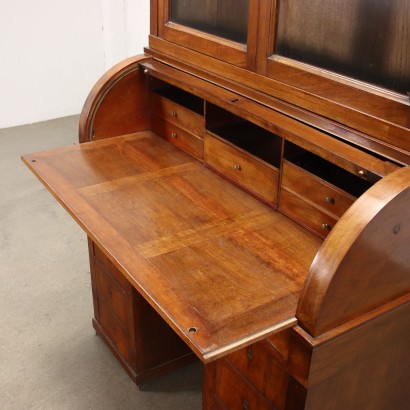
(53, 51)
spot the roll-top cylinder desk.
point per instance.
(245, 189)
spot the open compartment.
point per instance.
(249, 137)
(325, 170)
(177, 95)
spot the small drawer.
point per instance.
(315, 189)
(234, 392)
(115, 331)
(189, 143)
(100, 257)
(178, 115)
(262, 369)
(280, 342)
(111, 294)
(305, 213)
(252, 174)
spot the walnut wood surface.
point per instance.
(364, 367)
(338, 152)
(371, 267)
(221, 268)
(315, 189)
(239, 167)
(140, 339)
(117, 104)
(360, 106)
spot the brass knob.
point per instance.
(362, 172)
(146, 71)
(174, 114)
(174, 135)
(237, 167)
(330, 200)
(326, 227)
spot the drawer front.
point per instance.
(280, 342)
(178, 115)
(246, 171)
(115, 331)
(110, 267)
(189, 143)
(315, 190)
(111, 294)
(259, 366)
(306, 213)
(234, 392)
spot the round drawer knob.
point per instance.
(326, 227)
(362, 172)
(330, 200)
(174, 135)
(237, 167)
(174, 114)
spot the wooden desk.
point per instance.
(248, 210)
(219, 266)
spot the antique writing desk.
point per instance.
(246, 194)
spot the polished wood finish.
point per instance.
(248, 209)
(365, 367)
(241, 168)
(194, 215)
(116, 104)
(306, 213)
(359, 110)
(140, 339)
(316, 190)
(372, 239)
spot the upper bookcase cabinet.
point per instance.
(223, 29)
(350, 59)
(349, 38)
(346, 61)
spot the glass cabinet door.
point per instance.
(350, 53)
(361, 39)
(223, 18)
(217, 28)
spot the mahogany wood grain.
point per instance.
(348, 157)
(117, 104)
(254, 175)
(141, 340)
(154, 210)
(178, 115)
(242, 55)
(315, 189)
(325, 124)
(280, 343)
(154, 17)
(190, 143)
(306, 213)
(366, 367)
(369, 115)
(373, 239)
(234, 392)
(260, 366)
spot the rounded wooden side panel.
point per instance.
(118, 104)
(365, 261)
(350, 347)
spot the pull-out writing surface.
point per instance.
(220, 267)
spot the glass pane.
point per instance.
(223, 18)
(365, 39)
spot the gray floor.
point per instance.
(50, 357)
